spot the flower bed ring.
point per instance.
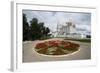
(57, 55)
(56, 48)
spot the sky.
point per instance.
(81, 20)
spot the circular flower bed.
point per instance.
(56, 47)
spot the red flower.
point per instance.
(72, 45)
(52, 43)
(57, 43)
(41, 45)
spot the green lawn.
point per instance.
(81, 40)
(45, 37)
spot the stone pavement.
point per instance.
(29, 55)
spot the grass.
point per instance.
(80, 40)
(45, 37)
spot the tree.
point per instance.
(41, 30)
(47, 30)
(25, 28)
(38, 30)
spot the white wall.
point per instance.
(5, 35)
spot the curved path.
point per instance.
(30, 56)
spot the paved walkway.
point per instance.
(29, 55)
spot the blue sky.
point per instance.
(82, 21)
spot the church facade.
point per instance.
(68, 30)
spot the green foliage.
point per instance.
(25, 28)
(80, 40)
(35, 31)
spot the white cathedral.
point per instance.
(67, 30)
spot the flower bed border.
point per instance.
(56, 55)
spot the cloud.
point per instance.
(51, 19)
